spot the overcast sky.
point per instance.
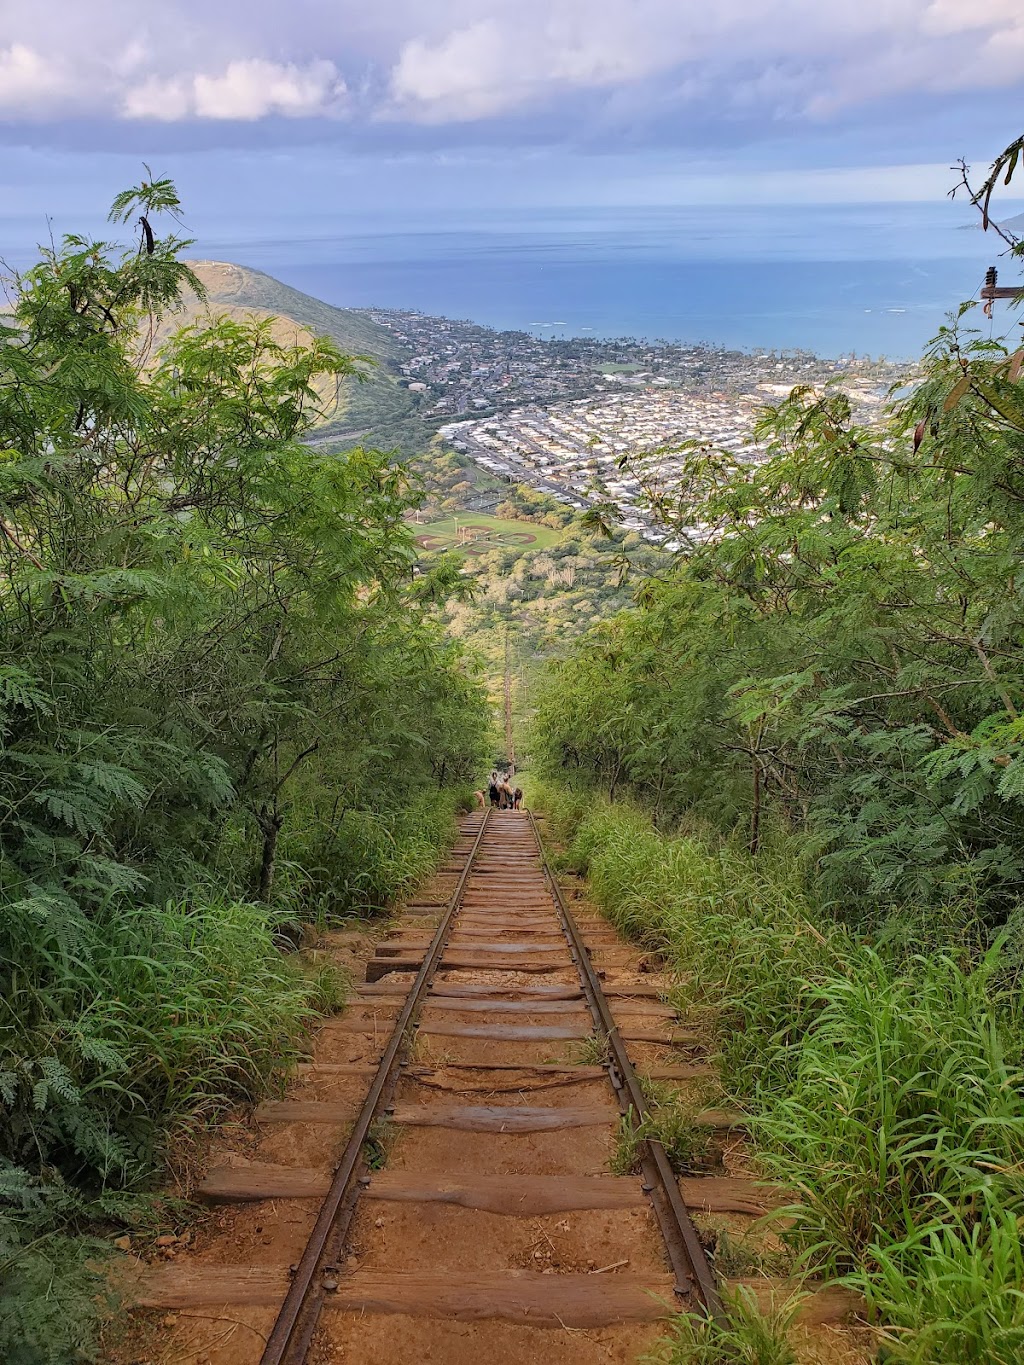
(315, 106)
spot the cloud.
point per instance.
(791, 58)
(532, 70)
(32, 83)
(245, 90)
(490, 67)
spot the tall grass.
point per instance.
(114, 1029)
(904, 1097)
(745, 937)
(884, 1086)
(952, 1294)
(121, 1026)
(748, 1336)
(358, 860)
(150, 1014)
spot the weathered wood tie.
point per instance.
(530, 1297)
(513, 1195)
(544, 1033)
(500, 1118)
(523, 1296)
(472, 1118)
(380, 966)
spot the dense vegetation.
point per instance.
(815, 719)
(225, 705)
(530, 604)
(840, 646)
(380, 407)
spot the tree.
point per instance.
(214, 653)
(839, 643)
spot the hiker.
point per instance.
(517, 799)
(493, 792)
(506, 793)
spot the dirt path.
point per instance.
(490, 1221)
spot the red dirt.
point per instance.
(457, 1242)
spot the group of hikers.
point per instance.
(501, 794)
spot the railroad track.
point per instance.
(471, 1031)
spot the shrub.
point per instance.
(884, 1086)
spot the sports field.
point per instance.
(476, 533)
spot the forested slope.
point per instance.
(376, 403)
(225, 706)
(797, 766)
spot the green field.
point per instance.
(476, 533)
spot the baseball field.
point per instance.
(477, 533)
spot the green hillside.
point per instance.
(380, 406)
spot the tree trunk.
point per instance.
(615, 779)
(755, 812)
(270, 822)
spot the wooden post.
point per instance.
(991, 290)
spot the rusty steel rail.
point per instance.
(689, 1261)
(313, 1277)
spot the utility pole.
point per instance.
(510, 747)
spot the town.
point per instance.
(560, 415)
(461, 368)
(573, 451)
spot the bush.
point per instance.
(361, 860)
(116, 1026)
(884, 1087)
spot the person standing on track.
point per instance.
(493, 791)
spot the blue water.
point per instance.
(872, 279)
(832, 308)
(875, 279)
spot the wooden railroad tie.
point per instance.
(511, 1195)
(475, 1118)
(522, 1296)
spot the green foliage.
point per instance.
(905, 1093)
(50, 1285)
(343, 861)
(225, 703)
(953, 1295)
(884, 1087)
(158, 1012)
(687, 1144)
(747, 1336)
(743, 932)
(592, 1051)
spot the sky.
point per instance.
(294, 113)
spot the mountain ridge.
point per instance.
(375, 403)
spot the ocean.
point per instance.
(873, 279)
